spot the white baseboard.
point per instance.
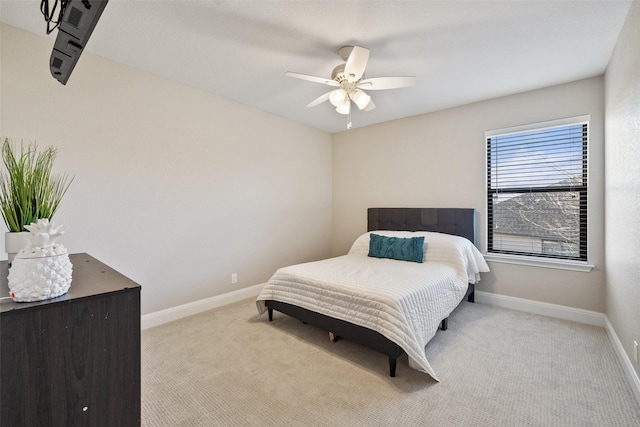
(178, 312)
(543, 308)
(568, 313)
(627, 367)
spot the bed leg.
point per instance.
(471, 297)
(444, 325)
(270, 310)
(333, 337)
(392, 367)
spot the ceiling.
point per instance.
(460, 51)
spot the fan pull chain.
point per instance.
(349, 118)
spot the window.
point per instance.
(537, 190)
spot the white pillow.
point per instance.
(438, 247)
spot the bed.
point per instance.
(389, 305)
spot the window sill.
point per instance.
(581, 266)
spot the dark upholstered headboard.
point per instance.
(457, 221)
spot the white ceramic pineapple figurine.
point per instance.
(42, 270)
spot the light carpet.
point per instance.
(497, 367)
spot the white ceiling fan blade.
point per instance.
(357, 62)
(320, 99)
(380, 83)
(312, 78)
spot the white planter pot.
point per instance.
(13, 242)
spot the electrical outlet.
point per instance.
(234, 278)
(635, 351)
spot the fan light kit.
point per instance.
(349, 80)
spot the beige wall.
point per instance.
(152, 158)
(438, 160)
(174, 187)
(622, 184)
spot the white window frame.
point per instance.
(564, 264)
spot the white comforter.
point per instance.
(404, 301)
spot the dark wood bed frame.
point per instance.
(456, 221)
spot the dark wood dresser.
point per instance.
(73, 360)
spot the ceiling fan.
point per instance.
(349, 80)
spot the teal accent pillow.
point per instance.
(403, 249)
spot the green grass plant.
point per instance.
(28, 188)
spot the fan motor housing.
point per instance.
(338, 75)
